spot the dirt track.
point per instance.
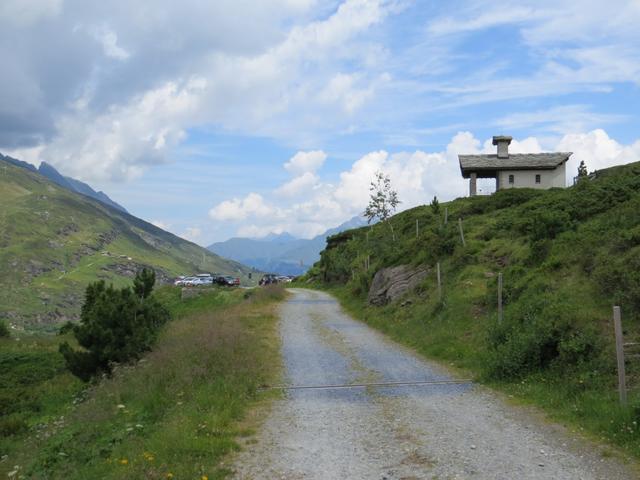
(431, 431)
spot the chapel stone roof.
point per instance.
(515, 161)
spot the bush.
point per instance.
(619, 277)
(116, 326)
(539, 336)
(4, 330)
(546, 225)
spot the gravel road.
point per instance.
(430, 431)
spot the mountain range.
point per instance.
(282, 253)
(55, 240)
(69, 183)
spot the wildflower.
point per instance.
(121, 406)
(169, 475)
(204, 477)
(124, 461)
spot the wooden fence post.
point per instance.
(417, 229)
(622, 382)
(500, 297)
(464, 244)
(439, 281)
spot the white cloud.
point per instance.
(239, 209)
(558, 120)
(120, 143)
(305, 162)
(298, 185)
(315, 205)
(598, 150)
(343, 91)
(527, 145)
(484, 20)
(284, 71)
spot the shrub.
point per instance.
(619, 276)
(540, 335)
(4, 330)
(115, 326)
(547, 224)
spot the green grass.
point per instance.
(566, 255)
(180, 410)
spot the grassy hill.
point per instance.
(54, 241)
(566, 255)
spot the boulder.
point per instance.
(392, 283)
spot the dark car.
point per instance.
(268, 279)
(228, 281)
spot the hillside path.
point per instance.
(428, 431)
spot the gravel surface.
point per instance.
(405, 432)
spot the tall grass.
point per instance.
(179, 410)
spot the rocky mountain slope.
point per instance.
(54, 241)
(69, 183)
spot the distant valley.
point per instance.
(282, 254)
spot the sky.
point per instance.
(245, 117)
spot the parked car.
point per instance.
(190, 281)
(204, 281)
(228, 281)
(268, 279)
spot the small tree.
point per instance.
(116, 325)
(143, 283)
(435, 206)
(383, 200)
(582, 170)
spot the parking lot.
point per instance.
(207, 279)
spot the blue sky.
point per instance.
(219, 119)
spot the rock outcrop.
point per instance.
(392, 283)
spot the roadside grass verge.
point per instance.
(178, 411)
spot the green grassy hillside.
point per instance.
(53, 242)
(566, 255)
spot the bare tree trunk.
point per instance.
(393, 233)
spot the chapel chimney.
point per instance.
(503, 145)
